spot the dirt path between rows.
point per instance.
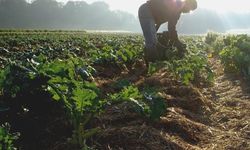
(215, 117)
(231, 117)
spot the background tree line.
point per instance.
(50, 14)
(203, 20)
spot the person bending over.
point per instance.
(152, 14)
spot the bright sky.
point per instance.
(220, 6)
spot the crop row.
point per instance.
(233, 51)
(64, 67)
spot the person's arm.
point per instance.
(172, 29)
(173, 33)
(175, 15)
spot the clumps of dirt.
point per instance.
(123, 128)
(135, 137)
(212, 117)
(119, 115)
(227, 140)
(107, 71)
(178, 95)
(182, 126)
(108, 77)
(162, 78)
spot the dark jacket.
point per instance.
(162, 14)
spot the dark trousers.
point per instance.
(148, 26)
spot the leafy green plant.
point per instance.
(116, 53)
(194, 67)
(211, 37)
(147, 103)
(125, 94)
(7, 139)
(79, 96)
(14, 78)
(156, 103)
(63, 80)
(235, 54)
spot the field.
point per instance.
(76, 90)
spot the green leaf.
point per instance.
(158, 108)
(54, 94)
(83, 98)
(56, 97)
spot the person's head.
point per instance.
(189, 5)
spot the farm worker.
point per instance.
(153, 13)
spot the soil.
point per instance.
(209, 117)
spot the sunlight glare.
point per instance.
(223, 6)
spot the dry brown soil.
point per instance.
(212, 117)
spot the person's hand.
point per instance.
(173, 36)
(174, 40)
(181, 48)
(179, 45)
